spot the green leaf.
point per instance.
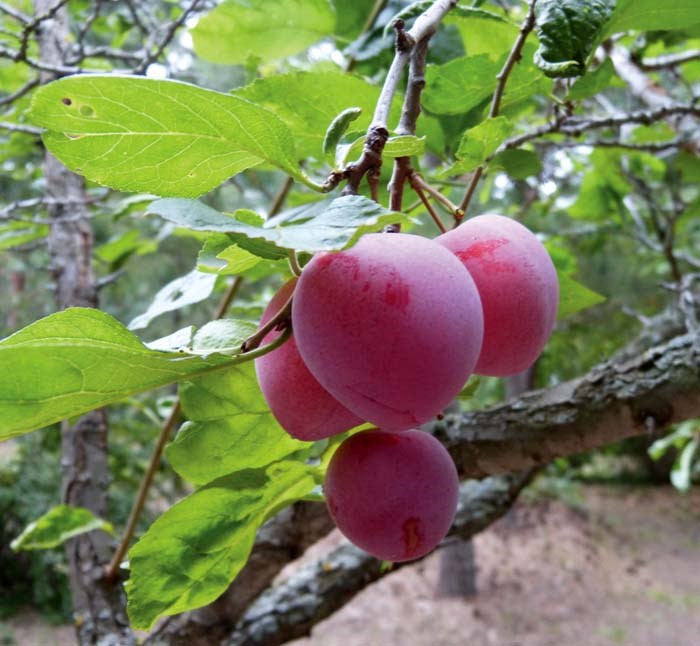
(85, 359)
(399, 146)
(594, 82)
(480, 142)
(185, 290)
(351, 16)
(267, 29)
(325, 225)
(58, 525)
(223, 336)
(467, 82)
(678, 438)
(15, 234)
(483, 32)
(518, 163)
(190, 555)
(683, 467)
(307, 101)
(568, 31)
(230, 428)
(574, 297)
(336, 130)
(165, 137)
(653, 15)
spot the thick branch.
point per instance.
(612, 402)
(316, 591)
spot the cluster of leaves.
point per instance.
(176, 142)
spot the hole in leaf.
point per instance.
(66, 101)
(86, 111)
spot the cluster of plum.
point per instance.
(388, 332)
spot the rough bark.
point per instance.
(291, 609)
(616, 400)
(98, 608)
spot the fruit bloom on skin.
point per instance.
(518, 286)
(392, 327)
(392, 494)
(299, 403)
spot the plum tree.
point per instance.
(299, 403)
(392, 494)
(518, 287)
(392, 327)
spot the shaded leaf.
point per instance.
(230, 428)
(325, 225)
(190, 555)
(185, 290)
(518, 163)
(568, 31)
(480, 142)
(574, 297)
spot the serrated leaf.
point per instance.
(653, 15)
(568, 31)
(480, 142)
(230, 428)
(325, 225)
(574, 297)
(267, 29)
(58, 525)
(307, 101)
(190, 555)
(518, 163)
(165, 137)
(185, 290)
(467, 82)
(86, 359)
(336, 130)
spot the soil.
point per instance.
(616, 566)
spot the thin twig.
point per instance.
(513, 58)
(421, 194)
(18, 94)
(669, 60)
(18, 127)
(166, 430)
(281, 318)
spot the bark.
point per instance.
(98, 608)
(616, 400)
(317, 590)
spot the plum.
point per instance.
(299, 403)
(392, 327)
(392, 494)
(518, 287)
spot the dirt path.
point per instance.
(625, 569)
(622, 568)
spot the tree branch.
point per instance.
(669, 60)
(316, 591)
(513, 58)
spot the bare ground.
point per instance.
(622, 567)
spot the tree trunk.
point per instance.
(98, 608)
(458, 568)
